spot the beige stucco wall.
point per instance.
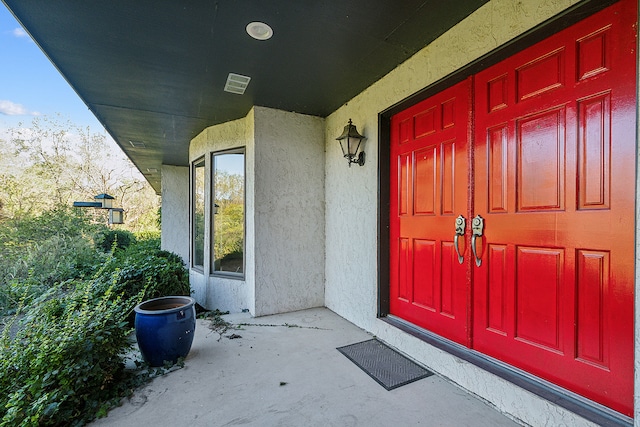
(284, 213)
(175, 210)
(289, 211)
(351, 216)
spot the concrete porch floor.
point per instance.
(285, 371)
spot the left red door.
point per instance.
(429, 190)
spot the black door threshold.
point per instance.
(579, 405)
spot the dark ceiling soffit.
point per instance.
(394, 38)
(557, 23)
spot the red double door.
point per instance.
(512, 209)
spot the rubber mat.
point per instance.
(384, 364)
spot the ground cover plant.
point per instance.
(65, 364)
(37, 251)
(66, 323)
(144, 267)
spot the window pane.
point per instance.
(198, 213)
(228, 209)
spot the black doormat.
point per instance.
(382, 363)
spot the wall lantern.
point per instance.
(215, 208)
(105, 199)
(116, 216)
(350, 142)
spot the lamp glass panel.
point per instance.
(116, 216)
(354, 144)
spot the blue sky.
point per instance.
(30, 85)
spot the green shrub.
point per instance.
(106, 240)
(39, 251)
(66, 365)
(145, 267)
(148, 235)
(62, 363)
(58, 221)
(19, 292)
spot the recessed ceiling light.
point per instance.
(237, 83)
(259, 30)
(152, 170)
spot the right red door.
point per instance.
(555, 185)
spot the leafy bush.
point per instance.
(106, 240)
(144, 267)
(66, 365)
(58, 221)
(39, 251)
(62, 357)
(148, 235)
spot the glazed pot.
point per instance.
(165, 328)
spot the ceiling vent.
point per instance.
(137, 144)
(237, 83)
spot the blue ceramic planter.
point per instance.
(165, 328)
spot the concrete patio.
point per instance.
(284, 370)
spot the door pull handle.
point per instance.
(461, 225)
(477, 228)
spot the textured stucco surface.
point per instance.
(351, 216)
(284, 213)
(289, 211)
(175, 210)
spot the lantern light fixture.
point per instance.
(116, 216)
(106, 200)
(350, 143)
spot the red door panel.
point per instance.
(554, 173)
(553, 176)
(429, 189)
